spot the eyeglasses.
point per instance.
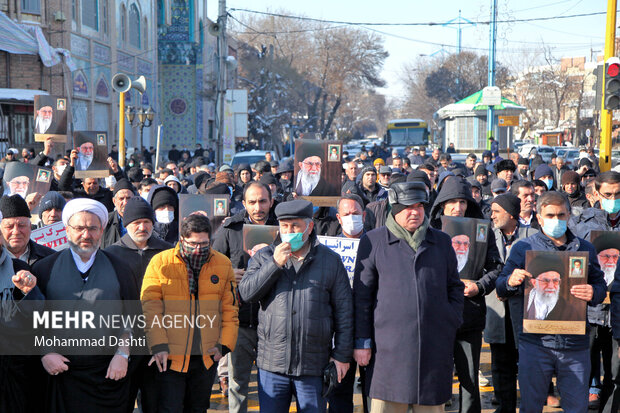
(313, 164)
(460, 243)
(197, 244)
(82, 229)
(610, 196)
(548, 281)
(609, 257)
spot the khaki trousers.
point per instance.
(382, 406)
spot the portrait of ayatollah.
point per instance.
(315, 176)
(18, 178)
(48, 118)
(607, 244)
(92, 151)
(547, 297)
(461, 245)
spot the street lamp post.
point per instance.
(145, 120)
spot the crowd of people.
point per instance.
(404, 323)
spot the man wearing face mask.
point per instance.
(523, 167)
(545, 174)
(542, 355)
(194, 281)
(605, 217)
(228, 240)
(165, 203)
(306, 303)
(136, 249)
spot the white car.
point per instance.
(251, 157)
(543, 150)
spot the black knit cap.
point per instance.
(419, 176)
(524, 161)
(124, 184)
(510, 202)
(480, 170)
(137, 208)
(14, 206)
(164, 196)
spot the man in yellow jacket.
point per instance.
(189, 298)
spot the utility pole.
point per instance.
(606, 115)
(491, 81)
(221, 78)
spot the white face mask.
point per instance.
(60, 169)
(352, 224)
(165, 217)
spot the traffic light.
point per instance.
(612, 83)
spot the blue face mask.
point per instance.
(611, 206)
(549, 183)
(296, 239)
(554, 228)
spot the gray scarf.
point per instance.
(414, 240)
(8, 308)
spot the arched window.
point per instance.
(145, 34)
(134, 26)
(123, 23)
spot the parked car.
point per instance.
(543, 150)
(251, 157)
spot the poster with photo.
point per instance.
(318, 171)
(24, 179)
(50, 118)
(256, 237)
(607, 244)
(469, 240)
(548, 305)
(216, 207)
(92, 161)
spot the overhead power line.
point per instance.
(350, 23)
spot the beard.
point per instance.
(83, 251)
(609, 272)
(140, 236)
(42, 124)
(461, 260)
(85, 160)
(308, 182)
(21, 192)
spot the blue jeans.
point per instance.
(275, 391)
(537, 365)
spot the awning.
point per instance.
(19, 95)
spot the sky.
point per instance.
(568, 37)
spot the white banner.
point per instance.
(53, 236)
(346, 248)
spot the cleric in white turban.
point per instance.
(85, 274)
(84, 204)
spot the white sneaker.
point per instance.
(482, 381)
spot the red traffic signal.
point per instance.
(612, 84)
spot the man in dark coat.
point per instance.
(15, 228)
(542, 355)
(135, 250)
(498, 331)
(455, 200)
(305, 316)
(229, 241)
(123, 191)
(524, 190)
(406, 278)
(571, 186)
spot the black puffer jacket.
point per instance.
(229, 241)
(300, 313)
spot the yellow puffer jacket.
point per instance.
(167, 306)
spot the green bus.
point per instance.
(406, 132)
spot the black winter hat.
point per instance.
(124, 184)
(164, 196)
(137, 208)
(524, 161)
(505, 165)
(298, 208)
(480, 170)
(419, 176)
(14, 206)
(510, 202)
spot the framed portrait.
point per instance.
(548, 305)
(317, 177)
(220, 207)
(203, 204)
(469, 241)
(50, 118)
(607, 244)
(333, 153)
(92, 156)
(24, 179)
(256, 237)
